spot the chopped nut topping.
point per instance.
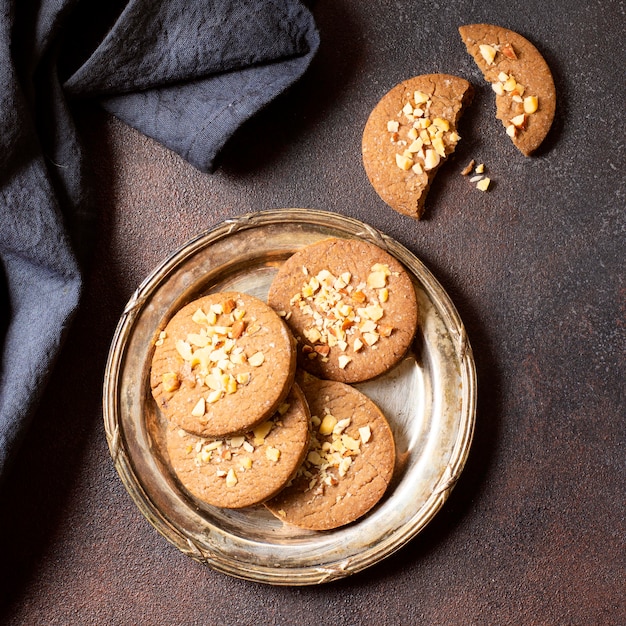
(211, 352)
(337, 319)
(508, 85)
(421, 131)
(331, 452)
(235, 449)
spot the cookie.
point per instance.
(243, 470)
(350, 305)
(222, 364)
(409, 134)
(521, 79)
(349, 464)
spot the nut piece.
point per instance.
(261, 431)
(483, 184)
(507, 51)
(403, 162)
(519, 121)
(199, 409)
(272, 454)
(488, 53)
(231, 478)
(328, 423)
(170, 382)
(531, 104)
(343, 361)
(432, 159)
(365, 433)
(256, 359)
(468, 168)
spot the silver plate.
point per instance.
(429, 400)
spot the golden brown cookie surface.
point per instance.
(243, 470)
(350, 305)
(222, 364)
(409, 134)
(350, 461)
(521, 78)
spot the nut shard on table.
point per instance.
(520, 78)
(408, 136)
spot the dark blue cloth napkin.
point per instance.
(187, 73)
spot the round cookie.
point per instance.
(243, 470)
(409, 134)
(350, 461)
(350, 305)
(521, 78)
(222, 364)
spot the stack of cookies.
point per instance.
(258, 396)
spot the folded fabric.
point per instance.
(187, 74)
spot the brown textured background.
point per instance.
(534, 531)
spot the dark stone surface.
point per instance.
(534, 531)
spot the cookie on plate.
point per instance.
(222, 364)
(350, 305)
(409, 134)
(521, 79)
(243, 470)
(349, 464)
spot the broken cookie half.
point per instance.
(409, 134)
(521, 79)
